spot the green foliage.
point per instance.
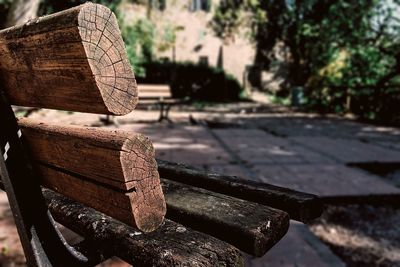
(226, 20)
(330, 44)
(198, 82)
(52, 6)
(168, 37)
(139, 43)
(138, 37)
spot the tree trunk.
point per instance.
(21, 11)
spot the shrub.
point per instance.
(199, 82)
(139, 43)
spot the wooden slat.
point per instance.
(154, 95)
(154, 91)
(157, 87)
(170, 245)
(251, 227)
(58, 151)
(300, 206)
(120, 160)
(73, 161)
(72, 60)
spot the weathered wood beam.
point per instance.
(121, 159)
(72, 60)
(251, 227)
(110, 159)
(172, 244)
(300, 206)
(69, 160)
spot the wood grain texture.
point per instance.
(172, 244)
(72, 60)
(78, 162)
(118, 158)
(301, 206)
(142, 210)
(111, 159)
(251, 227)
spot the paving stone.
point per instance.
(391, 144)
(347, 150)
(291, 125)
(228, 169)
(244, 133)
(314, 164)
(185, 144)
(325, 180)
(299, 248)
(266, 148)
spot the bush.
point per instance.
(380, 104)
(198, 82)
(139, 43)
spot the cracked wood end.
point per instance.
(112, 171)
(71, 60)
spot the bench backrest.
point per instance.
(73, 60)
(76, 60)
(154, 91)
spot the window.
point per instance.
(158, 4)
(197, 5)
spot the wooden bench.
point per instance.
(105, 184)
(160, 95)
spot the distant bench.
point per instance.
(160, 95)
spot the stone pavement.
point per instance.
(301, 151)
(314, 164)
(299, 248)
(306, 153)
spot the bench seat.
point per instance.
(202, 226)
(161, 96)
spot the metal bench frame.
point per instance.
(42, 242)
